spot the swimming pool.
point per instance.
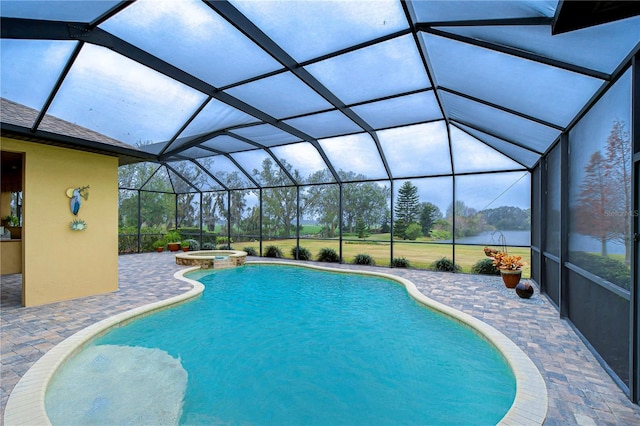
(307, 373)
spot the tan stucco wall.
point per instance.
(58, 263)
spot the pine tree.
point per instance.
(407, 208)
(361, 228)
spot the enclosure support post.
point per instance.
(175, 197)
(201, 220)
(391, 225)
(229, 219)
(340, 220)
(139, 223)
(453, 214)
(297, 221)
(634, 326)
(260, 204)
(563, 296)
(541, 197)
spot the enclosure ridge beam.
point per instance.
(111, 13)
(208, 173)
(516, 52)
(267, 150)
(34, 29)
(195, 142)
(230, 158)
(178, 174)
(534, 20)
(185, 125)
(492, 147)
(502, 108)
(490, 133)
(411, 16)
(249, 29)
(56, 87)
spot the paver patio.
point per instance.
(580, 390)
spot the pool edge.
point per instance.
(530, 404)
(26, 403)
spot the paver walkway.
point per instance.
(580, 391)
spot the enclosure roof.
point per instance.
(338, 90)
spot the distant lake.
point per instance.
(579, 242)
(514, 238)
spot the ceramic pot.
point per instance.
(524, 290)
(511, 278)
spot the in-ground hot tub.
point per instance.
(212, 259)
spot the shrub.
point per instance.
(413, 231)
(445, 265)
(438, 234)
(225, 247)
(193, 244)
(208, 246)
(303, 253)
(363, 259)
(328, 255)
(400, 262)
(250, 251)
(222, 240)
(273, 251)
(607, 268)
(485, 267)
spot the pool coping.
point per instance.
(26, 403)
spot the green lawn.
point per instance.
(419, 255)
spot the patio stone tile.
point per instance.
(579, 389)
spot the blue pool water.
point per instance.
(284, 345)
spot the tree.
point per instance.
(399, 228)
(362, 229)
(280, 207)
(618, 169)
(429, 214)
(507, 218)
(467, 220)
(251, 222)
(365, 200)
(323, 204)
(594, 199)
(407, 208)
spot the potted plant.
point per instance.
(510, 266)
(173, 240)
(185, 245)
(158, 246)
(10, 220)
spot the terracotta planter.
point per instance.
(185, 248)
(511, 278)
(173, 246)
(160, 249)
